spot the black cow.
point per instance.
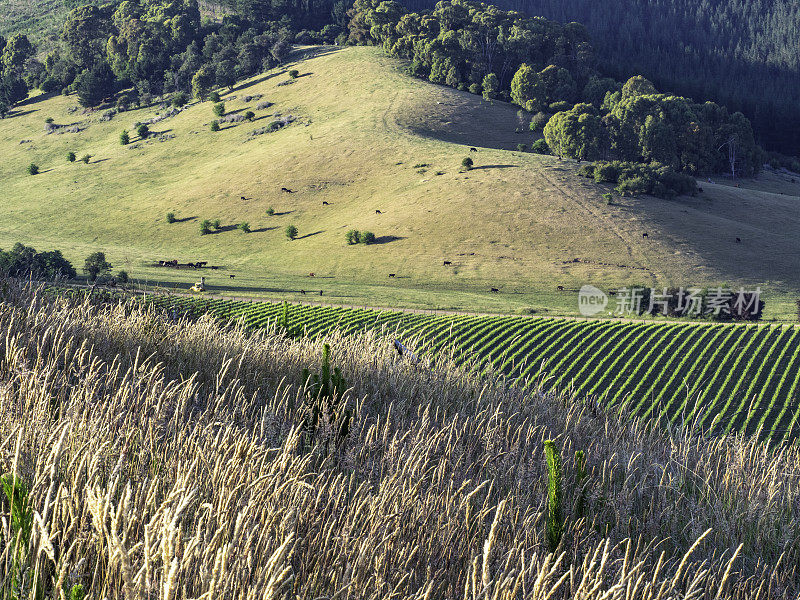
(392, 274)
(303, 292)
(377, 212)
(561, 288)
(447, 262)
(287, 190)
(231, 276)
(644, 235)
(495, 290)
(738, 240)
(473, 149)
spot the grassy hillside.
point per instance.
(517, 221)
(722, 377)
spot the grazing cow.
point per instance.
(644, 235)
(287, 190)
(231, 276)
(561, 288)
(447, 263)
(738, 240)
(243, 198)
(310, 274)
(473, 149)
(325, 203)
(495, 290)
(303, 292)
(377, 212)
(392, 274)
(320, 292)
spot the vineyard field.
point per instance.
(725, 377)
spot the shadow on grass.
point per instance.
(262, 229)
(495, 167)
(386, 239)
(280, 214)
(184, 219)
(308, 235)
(225, 228)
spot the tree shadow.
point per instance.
(13, 113)
(246, 84)
(308, 235)
(35, 99)
(262, 229)
(184, 219)
(225, 228)
(280, 214)
(386, 239)
(495, 167)
(94, 162)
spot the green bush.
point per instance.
(214, 125)
(467, 163)
(274, 126)
(366, 237)
(559, 106)
(122, 276)
(522, 147)
(179, 99)
(294, 73)
(205, 227)
(540, 147)
(291, 232)
(244, 227)
(142, 130)
(475, 88)
(33, 169)
(219, 109)
(171, 217)
(270, 211)
(352, 236)
(639, 178)
(538, 121)
(96, 265)
(214, 97)
(249, 115)
(86, 158)
(609, 198)
(124, 138)
(216, 224)
(70, 157)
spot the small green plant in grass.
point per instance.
(555, 497)
(294, 74)
(86, 158)
(270, 211)
(33, 169)
(215, 223)
(219, 109)
(142, 130)
(205, 227)
(352, 236)
(291, 232)
(467, 163)
(171, 217)
(214, 125)
(77, 592)
(580, 481)
(21, 517)
(70, 157)
(609, 198)
(367, 237)
(244, 227)
(324, 394)
(124, 138)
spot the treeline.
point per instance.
(740, 53)
(551, 70)
(24, 261)
(157, 47)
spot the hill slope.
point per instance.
(362, 129)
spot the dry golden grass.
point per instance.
(165, 461)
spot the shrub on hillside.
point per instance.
(214, 125)
(86, 158)
(540, 147)
(638, 178)
(179, 99)
(249, 115)
(244, 227)
(291, 232)
(215, 223)
(352, 236)
(219, 109)
(270, 211)
(122, 276)
(124, 138)
(33, 169)
(142, 130)
(467, 163)
(294, 73)
(171, 217)
(96, 265)
(366, 237)
(214, 97)
(205, 227)
(70, 157)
